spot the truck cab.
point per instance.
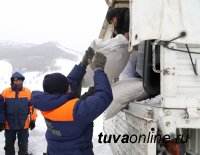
(166, 32)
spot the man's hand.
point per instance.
(89, 53)
(98, 61)
(1, 127)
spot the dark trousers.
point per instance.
(22, 136)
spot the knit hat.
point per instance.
(55, 83)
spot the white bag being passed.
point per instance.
(125, 91)
(116, 51)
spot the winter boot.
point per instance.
(23, 149)
(9, 148)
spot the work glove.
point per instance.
(32, 125)
(1, 127)
(98, 61)
(89, 53)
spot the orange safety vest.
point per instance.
(62, 113)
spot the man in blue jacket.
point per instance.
(70, 121)
(73, 81)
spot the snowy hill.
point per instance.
(30, 57)
(4, 45)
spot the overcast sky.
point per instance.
(73, 23)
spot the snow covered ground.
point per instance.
(37, 142)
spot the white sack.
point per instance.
(124, 92)
(116, 51)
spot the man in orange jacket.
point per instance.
(19, 115)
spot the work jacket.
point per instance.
(18, 110)
(70, 125)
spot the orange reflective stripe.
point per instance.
(6, 125)
(62, 113)
(25, 93)
(27, 123)
(9, 93)
(33, 113)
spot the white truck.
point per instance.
(170, 33)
